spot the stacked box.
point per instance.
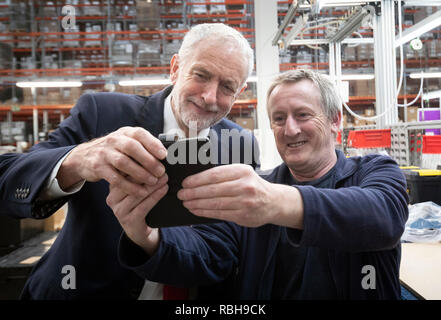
(68, 35)
(149, 53)
(148, 15)
(349, 53)
(13, 131)
(122, 53)
(412, 114)
(93, 28)
(245, 122)
(217, 9)
(92, 8)
(362, 88)
(199, 9)
(5, 56)
(19, 19)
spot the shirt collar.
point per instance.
(171, 126)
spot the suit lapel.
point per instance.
(152, 112)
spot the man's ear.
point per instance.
(174, 68)
(335, 125)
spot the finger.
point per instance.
(135, 149)
(117, 194)
(223, 189)
(132, 208)
(144, 207)
(215, 175)
(226, 215)
(130, 157)
(152, 144)
(113, 177)
(224, 203)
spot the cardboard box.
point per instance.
(369, 112)
(147, 15)
(362, 88)
(245, 122)
(412, 114)
(359, 123)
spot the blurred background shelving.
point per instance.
(115, 40)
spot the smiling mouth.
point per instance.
(297, 144)
(205, 110)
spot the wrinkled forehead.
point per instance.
(303, 88)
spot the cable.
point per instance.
(394, 102)
(388, 109)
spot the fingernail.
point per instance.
(162, 153)
(160, 171)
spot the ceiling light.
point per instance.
(48, 84)
(144, 82)
(357, 77)
(425, 75)
(418, 29)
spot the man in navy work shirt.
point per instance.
(319, 226)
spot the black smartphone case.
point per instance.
(169, 211)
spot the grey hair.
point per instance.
(216, 31)
(329, 97)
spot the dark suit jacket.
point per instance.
(89, 238)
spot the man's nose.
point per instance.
(292, 127)
(210, 92)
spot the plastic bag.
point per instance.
(424, 223)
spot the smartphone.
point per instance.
(185, 157)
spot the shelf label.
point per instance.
(15, 108)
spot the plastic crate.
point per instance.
(377, 138)
(430, 114)
(338, 139)
(432, 144)
(423, 185)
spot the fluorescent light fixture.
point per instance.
(432, 95)
(144, 82)
(425, 25)
(357, 77)
(425, 75)
(334, 3)
(48, 84)
(352, 24)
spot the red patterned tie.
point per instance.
(175, 293)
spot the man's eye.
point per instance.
(200, 76)
(304, 115)
(278, 119)
(229, 89)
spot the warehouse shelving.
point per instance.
(89, 56)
